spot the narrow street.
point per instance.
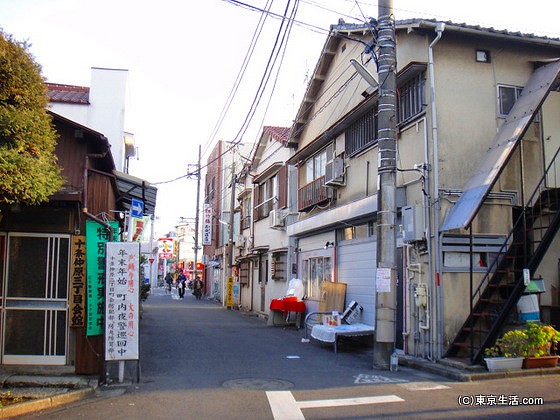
(201, 361)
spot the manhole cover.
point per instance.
(258, 384)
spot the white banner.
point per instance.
(122, 302)
(207, 224)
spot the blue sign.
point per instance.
(137, 208)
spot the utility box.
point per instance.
(413, 223)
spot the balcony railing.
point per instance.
(312, 194)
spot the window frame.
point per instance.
(312, 267)
(517, 93)
(411, 101)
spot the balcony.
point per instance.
(312, 194)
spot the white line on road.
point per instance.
(285, 407)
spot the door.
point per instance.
(35, 300)
(356, 262)
(263, 279)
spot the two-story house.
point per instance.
(477, 129)
(266, 259)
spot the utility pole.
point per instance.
(229, 282)
(385, 306)
(230, 224)
(197, 217)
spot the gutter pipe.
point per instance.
(439, 28)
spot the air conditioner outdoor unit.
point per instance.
(334, 172)
(277, 218)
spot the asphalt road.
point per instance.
(201, 361)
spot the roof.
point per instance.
(342, 29)
(464, 27)
(68, 93)
(132, 187)
(279, 134)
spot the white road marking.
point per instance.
(423, 386)
(375, 379)
(285, 407)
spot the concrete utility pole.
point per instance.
(385, 306)
(231, 219)
(197, 217)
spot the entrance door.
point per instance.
(34, 316)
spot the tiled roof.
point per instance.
(462, 27)
(406, 22)
(68, 94)
(280, 134)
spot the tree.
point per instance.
(29, 172)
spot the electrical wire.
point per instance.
(240, 74)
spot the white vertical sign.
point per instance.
(122, 301)
(207, 224)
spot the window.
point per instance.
(278, 266)
(361, 134)
(315, 167)
(316, 271)
(356, 232)
(246, 212)
(411, 98)
(507, 95)
(267, 194)
(210, 190)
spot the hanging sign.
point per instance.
(165, 248)
(122, 301)
(96, 237)
(207, 224)
(78, 282)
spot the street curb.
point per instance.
(30, 406)
(471, 375)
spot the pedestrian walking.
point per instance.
(181, 284)
(197, 288)
(168, 281)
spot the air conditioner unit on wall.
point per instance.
(334, 172)
(276, 218)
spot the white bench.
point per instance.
(329, 333)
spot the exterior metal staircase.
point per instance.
(534, 227)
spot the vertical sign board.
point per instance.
(96, 237)
(78, 282)
(122, 301)
(207, 224)
(229, 292)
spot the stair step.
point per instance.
(475, 330)
(492, 301)
(465, 345)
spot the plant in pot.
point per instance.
(540, 346)
(506, 354)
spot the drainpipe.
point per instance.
(85, 192)
(440, 27)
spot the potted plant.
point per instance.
(506, 354)
(540, 346)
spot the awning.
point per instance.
(132, 187)
(524, 110)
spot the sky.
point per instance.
(184, 56)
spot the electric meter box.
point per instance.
(413, 223)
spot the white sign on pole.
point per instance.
(383, 280)
(122, 301)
